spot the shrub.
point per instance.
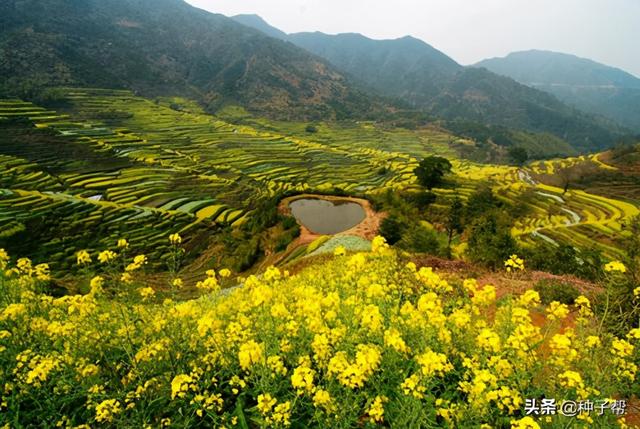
(391, 229)
(480, 202)
(247, 254)
(289, 222)
(421, 239)
(490, 242)
(553, 290)
(619, 306)
(424, 199)
(518, 155)
(565, 259)
(286, 238)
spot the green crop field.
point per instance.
(109, 164)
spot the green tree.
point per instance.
(431, 171)
(424, 199)
(632, 246)
(490, 241)
(421, 239)
(454, 223)
(480, 202)
(391, 229)
(518, 155)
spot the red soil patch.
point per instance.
(504, 282)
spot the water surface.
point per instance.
(327, 217)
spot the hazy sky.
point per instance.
(606, 31)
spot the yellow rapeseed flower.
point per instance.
(106, 256)
(393, 339)
(412, 386)
(526, 422)
(96, 284)
(432, 363)
(266, 403)
(488, 340)
(146, 292)
(514, 263)
(529, 299)
(83, 257)
(250, 353)
(107, 410)
(180, 385)
(485, 296)
(42, 272)
(592, 341)
(615, 267)
(621, 348)
(302, 379)
(557, 311)
(4, 258)
(376, 409)
(322, 399)
(379, 244)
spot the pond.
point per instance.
(327, 217)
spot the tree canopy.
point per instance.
(431, 170)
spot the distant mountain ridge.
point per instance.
(426, 78)
(255, 21)
(167, 47)
(407, 67)
(586, 84)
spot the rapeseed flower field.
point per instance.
(359, 340)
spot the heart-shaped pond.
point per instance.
(326, 217)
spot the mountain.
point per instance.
(479, 95)
(255, 21)
(408, 68)
(424, 77)
(166, 47)
(586, 84)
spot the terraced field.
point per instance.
(110, 164)
(134, 165)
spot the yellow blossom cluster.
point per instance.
(514, 263)
(4, 259)
(107, 410)
(138, 262)
(209, 284)
(615, 267)
(175, 239)
(107, 256)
